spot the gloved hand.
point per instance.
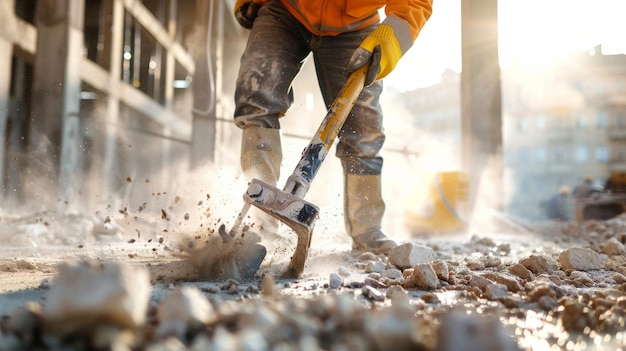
(382, 49)
(246, 12)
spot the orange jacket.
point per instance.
(332, 17)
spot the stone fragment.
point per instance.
(393, 290)
(480, 282)
(424, 277)
(491, 262)
(252, 340)
(183, 311)
(541, 290)
(496, 291)
(268, 285)
(476, 265)
(539, 264)
(343, 271)
(503, 278)
(368, 256)
(410, 254)
(393, 328)
(372, 293)
(614, 247)
(392, 274)
(475, 332)
(374, 283)
(441, 269)
(580, 259)
(374, 266)
(521, 271)
(115, 293)
(547, 302)
(335, 281)
(619, 278)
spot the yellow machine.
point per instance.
(442, 208)
(604, 203)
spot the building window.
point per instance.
(602, 154)
(580, 122)
(541, 154)
(601, 119)
(581, 153)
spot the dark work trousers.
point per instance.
(276, 49)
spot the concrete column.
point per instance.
(55, 133)
(481, 103)
(113, 101)
(6, 55)
(204, 83)
(6, 52)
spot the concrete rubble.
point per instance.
(475, 295)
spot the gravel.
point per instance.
(560, 286)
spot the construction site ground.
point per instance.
(552, 308)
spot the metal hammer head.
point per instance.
(299, 214)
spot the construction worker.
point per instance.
(585, 189)
(558, 207)
(343, 36)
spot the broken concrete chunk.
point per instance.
(496, 291)
(441, 269)
(410, 254)
(113, 293)
(343, 271)
(580, 259)
(614, 247)
(521, 271)
(374, 266)
(372, 293)
(392, 274)
(184, 310)
(424, 277)
(475, 332)
(476, 265)
(480, 282)
(539, 264)
(335, 281)
(393, 328)
(504, 278)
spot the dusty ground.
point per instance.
(554, 309)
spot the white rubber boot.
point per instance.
(363, 213)
(261, 156)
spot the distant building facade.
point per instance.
(560, 125)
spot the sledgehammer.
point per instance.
(288, 205)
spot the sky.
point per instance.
(531, 33)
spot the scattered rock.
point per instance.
(496, 291)
(335, 281)
(581, 259)
(374, 266)
(539, 264)
(410, 254)
(614, 247)
(441, 269)
(521, 271)
(184, 311)
(84, 294)
(424, 277)
(459, 331)
(392, 274)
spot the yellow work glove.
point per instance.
(246, 12)
(382, 49)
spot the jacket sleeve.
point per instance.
(407, 18)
